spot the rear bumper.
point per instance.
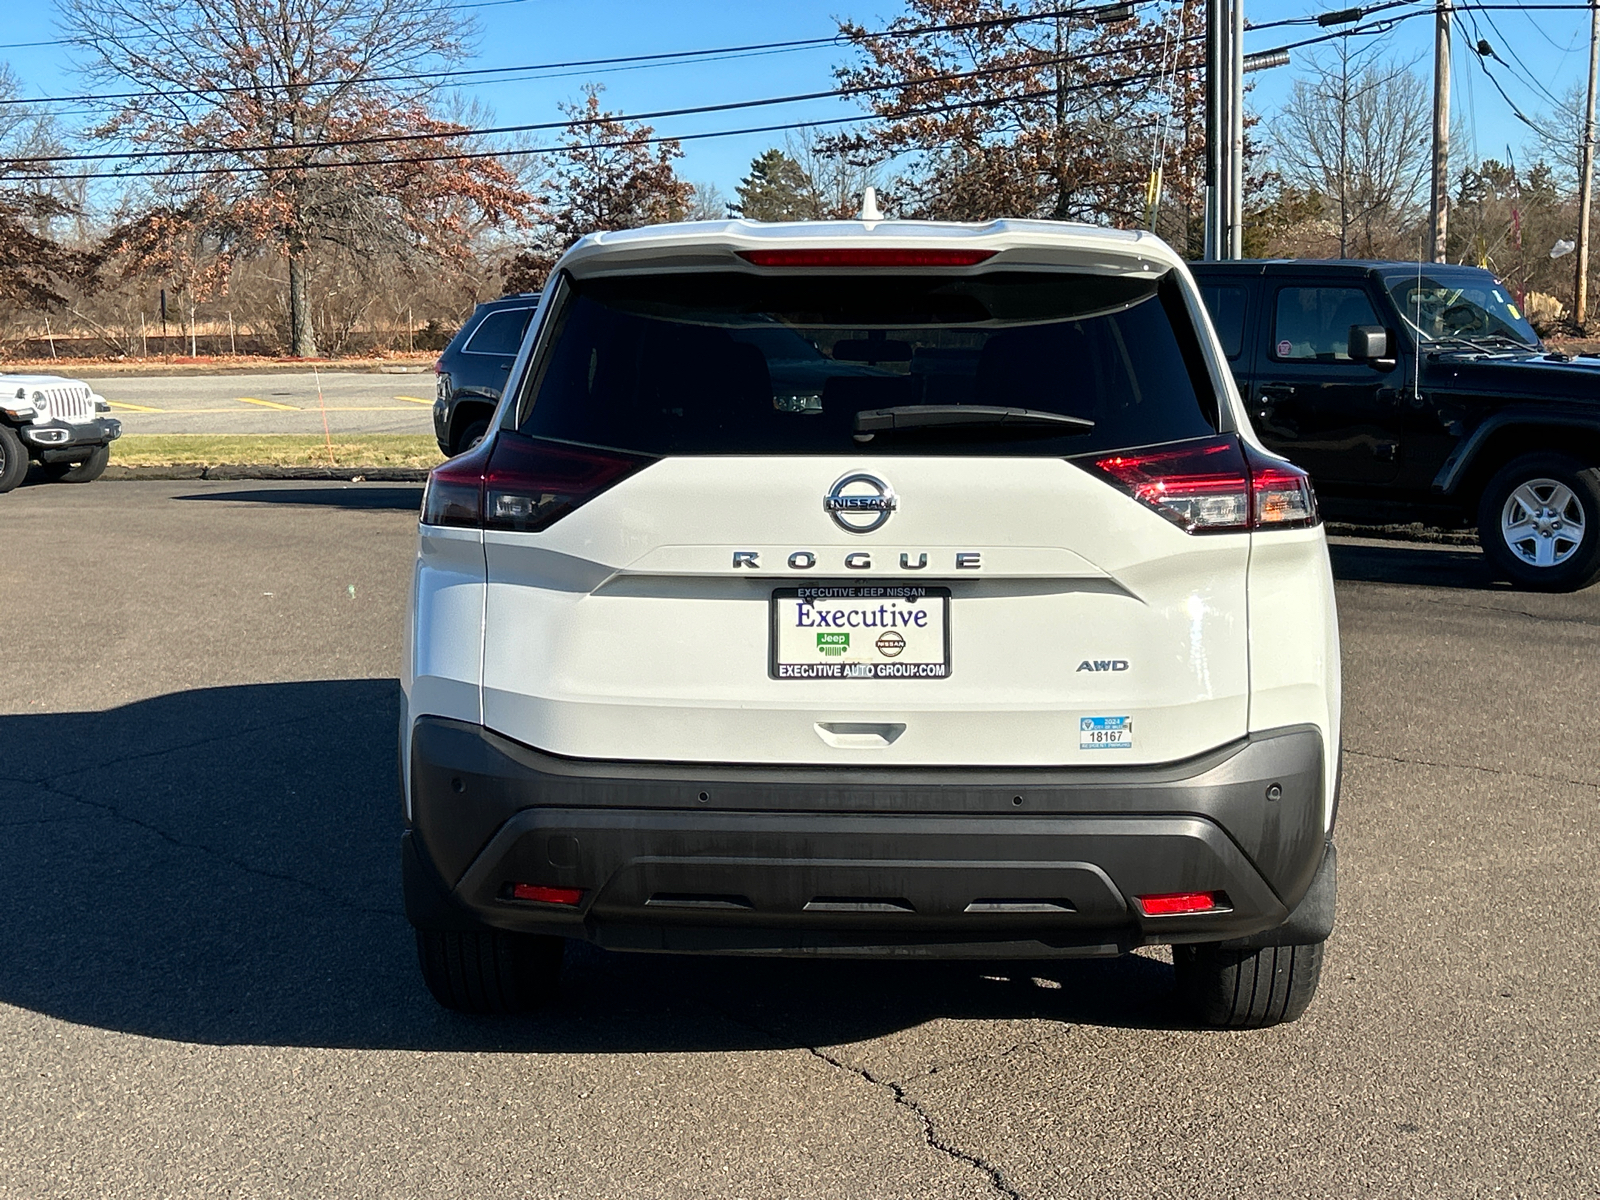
(817, 860)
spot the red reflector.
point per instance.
(545, 895)
(856, 256)
(1174, 904)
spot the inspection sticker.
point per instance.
(1105, 733)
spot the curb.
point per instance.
(1414, 532)
(176, 370)
(240, 472)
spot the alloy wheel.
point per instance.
(1543, 522)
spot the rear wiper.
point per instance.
(1025, 422)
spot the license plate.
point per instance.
(886, 631)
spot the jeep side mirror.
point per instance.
(1368, 342)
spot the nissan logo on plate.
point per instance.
(860, 503)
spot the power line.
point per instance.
(542, 126)
(652, 139)
(666, 58)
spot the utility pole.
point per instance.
(1580, 298)
(1219, 129)
(1236, 133)
(1440, 198)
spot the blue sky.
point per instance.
(1552, 44)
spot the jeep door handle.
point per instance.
(1276, 391)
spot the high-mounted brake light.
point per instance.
(859, 256)
(1219, 485)
(520, 483)
(1176, 904)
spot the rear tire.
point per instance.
(1539, 522)
(471, 436)
(86, 471)
(487, 971)
(1246, 989)
(13, 460)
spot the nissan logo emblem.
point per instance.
(860, 503)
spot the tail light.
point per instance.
(438, 366)
(1220, 485)
(509, 481)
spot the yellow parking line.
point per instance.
(416, 400)
(266, 403)
(118, 404)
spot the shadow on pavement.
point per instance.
(1419, 565)
(399, 497)
(222, 866)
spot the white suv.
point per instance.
(871, 588)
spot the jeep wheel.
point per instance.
(1246, 989)
(487, 971)
(471, 436)
(13, 460)
(86, 471)
(1539, 521)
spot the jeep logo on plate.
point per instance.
(860, 503)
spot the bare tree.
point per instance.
(835, 176)
(1357, 133)
(294, 124)
(35, 266)
(608, 175)
(706, 203)
(1022, 108)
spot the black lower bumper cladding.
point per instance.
(785, 860)
(76, 440)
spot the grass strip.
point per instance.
(273, 450)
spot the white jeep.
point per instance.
(58, 422)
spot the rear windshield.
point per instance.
(726, 363)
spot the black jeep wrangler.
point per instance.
(1421, 393)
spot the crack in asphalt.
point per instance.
(1543, 618)
(930, 1134)
(1424, 762)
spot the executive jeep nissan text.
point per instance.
(872, 588)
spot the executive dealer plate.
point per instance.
(863, 631)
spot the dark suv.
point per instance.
(1414, 392)
(473, 369)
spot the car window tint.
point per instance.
(1312, 324)
(752, 364)
(500, 333)
(1226, 305)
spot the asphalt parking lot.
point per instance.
(272, 402)
(207, 986)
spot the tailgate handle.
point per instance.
(860, 735)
